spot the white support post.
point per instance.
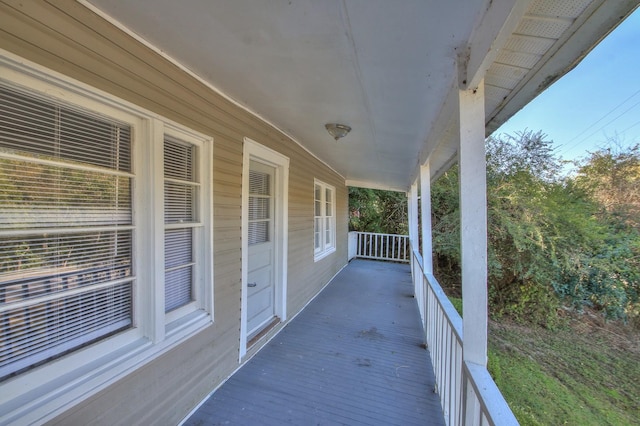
(408, 194)
(473, 222)
(425, 204)
(413, 215)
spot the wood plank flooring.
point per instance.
(353, 356)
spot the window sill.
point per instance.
(45, 392)
(322, 254)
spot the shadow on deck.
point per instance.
(352, 356)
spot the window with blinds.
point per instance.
(83, 176)
(324, 220)
(317, 230)
(66, 227)
(328, 217)
(181, 221)
(260, 200)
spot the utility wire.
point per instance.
(602, 118)
(567, 148)
(633, 125)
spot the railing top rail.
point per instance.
(451, 314)
(418, 257)
(372, 245)
(493, 404)
(379, 233)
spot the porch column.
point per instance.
(425, 206)
(413, 215)
(473, 223)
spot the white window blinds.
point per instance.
(317, 229)
(65, 229)
(260, 199)
(181, 191)
(328, 227)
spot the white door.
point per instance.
(261, 245)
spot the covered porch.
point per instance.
(355, 355)
(420, 83)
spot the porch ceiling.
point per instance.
(386, 68)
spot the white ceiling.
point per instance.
(384, 67)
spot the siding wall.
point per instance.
(68, 38)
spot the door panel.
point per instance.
(260, 274)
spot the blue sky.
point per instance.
(598, 100)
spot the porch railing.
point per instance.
(370, 245)
(468, 394)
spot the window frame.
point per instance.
(325, 248)
(202, 216)
(89, 369)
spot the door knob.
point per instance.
(252, 284)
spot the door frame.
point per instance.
(252, 150)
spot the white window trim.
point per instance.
(203, 239)
(40, 394)
(325, 249)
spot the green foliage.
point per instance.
(445, 225)
(380, 211)
(44, 190)
(612, 176)
(457, 303)
(550, 239)
(610, 278)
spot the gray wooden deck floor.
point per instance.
(352, 357)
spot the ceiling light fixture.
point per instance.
(336, 130)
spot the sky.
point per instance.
(597, 101)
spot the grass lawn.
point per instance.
(580, 375)
(585, 373)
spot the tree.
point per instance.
(611, 278)
(612, 176)
(550, 241)
(380, 211)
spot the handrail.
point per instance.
(452, 314)
(373, 245)
(495, 409)
(468, 394)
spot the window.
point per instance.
(260, 205)
(181, 195)
(66, 275)
(80, 266)
(324, 222)
(186, 225)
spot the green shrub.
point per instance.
(551, 240)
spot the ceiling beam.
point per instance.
(499, 21)
(373, 185)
